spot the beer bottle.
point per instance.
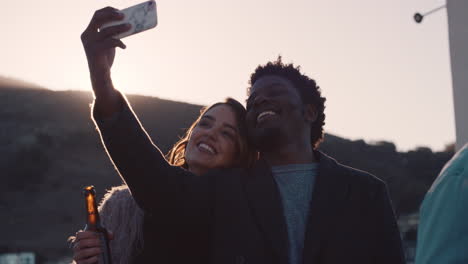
(93, 223)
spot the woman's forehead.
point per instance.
(221, 113)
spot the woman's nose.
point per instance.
(212, 133)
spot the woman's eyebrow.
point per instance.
(209, 117)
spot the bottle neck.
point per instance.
(92, 214)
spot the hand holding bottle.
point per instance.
(87, 247)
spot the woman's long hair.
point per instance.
(246, 155)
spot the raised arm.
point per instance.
(99, 46)
(151, 179)
(168, 195)
(153, 182)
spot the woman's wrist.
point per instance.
(107, 106)
(108, 100)
(102, 84)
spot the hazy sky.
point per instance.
(384, 76)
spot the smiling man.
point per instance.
(327, 212)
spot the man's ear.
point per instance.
(310, 114)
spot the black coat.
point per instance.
(235, 216)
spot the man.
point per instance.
(296, 205)
(332, 213)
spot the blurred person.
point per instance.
(443, 224)
(295, 205)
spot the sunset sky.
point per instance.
(385, 77)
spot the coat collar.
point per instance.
(328, 199)
(329, 194)
(266, 206)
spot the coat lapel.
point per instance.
(328, 198)
(266, 206)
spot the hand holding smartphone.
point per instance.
(141, 17)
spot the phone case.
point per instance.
(141, 17)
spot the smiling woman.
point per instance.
(218, 130)
(216, 140)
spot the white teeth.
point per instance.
(262, 114)
(206, 147)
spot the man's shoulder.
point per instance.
(348, 173)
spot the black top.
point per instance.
(235, 215)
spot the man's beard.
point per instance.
(266, 139)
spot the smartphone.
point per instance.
(141, 17)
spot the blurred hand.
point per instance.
(87, 247)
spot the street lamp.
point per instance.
(418, 17)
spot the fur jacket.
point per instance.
(121, 215)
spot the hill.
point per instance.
(50, 150)
(9, 82)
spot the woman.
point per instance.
(119, 212)
(217, 139)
